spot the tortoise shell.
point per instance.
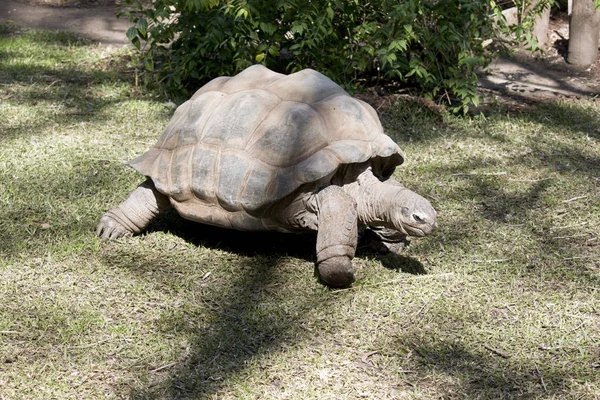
(242, 143)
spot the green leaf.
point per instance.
(142, 27)
(242, 13)
(268, 28)
(132, 33)
(330, 13)
(136, 42)
(259, 57)
(149, 64)
(398, 45)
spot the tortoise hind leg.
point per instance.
(336, 237)
(134, 214)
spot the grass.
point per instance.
(502, 302)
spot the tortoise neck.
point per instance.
(375, 200)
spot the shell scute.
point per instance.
(290, 132)
(283, 184)
(233, 169)
(232, 123)
(254, 192)
(169, 138)
(351, 151)
(160, 172)
(251, 78)
(215, 85)
(306, 86)
(316, 166)
(346, 118)
(180, 172)
(186, 126)
(205, 161)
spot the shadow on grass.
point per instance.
(301, 245)
(70, 84)
(408, 121)
(513, 213)
(242, 243)
(489, 373)
(498, 196)
(230, 322)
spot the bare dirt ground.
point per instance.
(545, 75)
(524, 77)
(91, 19)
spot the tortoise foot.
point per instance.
(336, 272)
(110, 228)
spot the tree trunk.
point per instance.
(584, 29)
(540, 27)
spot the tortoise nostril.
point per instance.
(418, 218)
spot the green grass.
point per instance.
(503, 301)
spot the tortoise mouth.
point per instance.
(414, 231)
(419, 231)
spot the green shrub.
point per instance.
(434, 44)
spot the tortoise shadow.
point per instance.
(299, 245)
(400, 263)
(239, 242)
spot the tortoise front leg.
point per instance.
(134, 214)
(336, 237)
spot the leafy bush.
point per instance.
(437, 45)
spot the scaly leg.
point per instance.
(134, 214)
(336, 237)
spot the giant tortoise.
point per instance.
(267, 151)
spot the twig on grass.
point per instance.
(164, 367)
(565, 347)
(496, 351)
(541, 379)
(576, 198)
(570, 236)
(365, 356)
(80, 113)
(568, 226)
(425, 276)
(481, 173)
(578, 257)
(81, 382)
(420, 310)
(531, 180)
(577, 327)
(499, 260)
(52, 84)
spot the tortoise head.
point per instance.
(412, 213)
